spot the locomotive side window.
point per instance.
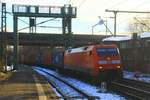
(107, 51)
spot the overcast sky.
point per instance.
(89, 10)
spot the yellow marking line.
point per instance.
(40, 90)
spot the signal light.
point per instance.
(100, 67)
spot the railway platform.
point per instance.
(26, 84)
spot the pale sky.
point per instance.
(89, 10)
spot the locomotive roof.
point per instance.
(80, 49)
(87, 48)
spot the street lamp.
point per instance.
(93, 33)
(101, 21)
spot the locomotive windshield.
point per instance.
(107, 51)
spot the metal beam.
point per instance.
(16, 42)
(43, 11)
(121, 11)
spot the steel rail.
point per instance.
(131, 88)
(87, 96)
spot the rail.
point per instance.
(84, 94)
(131, 88)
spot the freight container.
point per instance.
(58, 59)
(46, 58)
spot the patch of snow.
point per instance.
(126, 38)
(141, 77)
(63, 87)
(117, 38)
(93, 90)
(8, 68)
(144, 35)
(76, 50)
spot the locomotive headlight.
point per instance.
(118, 67)
(100, 67)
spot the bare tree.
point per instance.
(139, 25)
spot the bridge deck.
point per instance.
(52, 39)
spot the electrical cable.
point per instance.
(118, 3)
(72, 2)
(69, 1)
(81, 4)
(143, 3)
(49, 27)
(37, 24)
(10, 13)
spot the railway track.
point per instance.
(65, 89)
(133, 89)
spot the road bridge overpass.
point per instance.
(41, 39)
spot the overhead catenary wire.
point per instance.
(135, 7)
(69, 1)
(49, 27)
(10, 13)
(81, 4)
(139, 5)
(38, 24)
(118, 3)
(23, 21)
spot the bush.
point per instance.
(1, 66)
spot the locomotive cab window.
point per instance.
(107, 51)
(69, 50)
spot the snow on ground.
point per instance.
(140, 76)
(66, 90)
(144, 35)
(93, 90)
(9, 68)
(117, 38)
(126, 38)
(87, 87)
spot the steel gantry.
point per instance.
(65, 12)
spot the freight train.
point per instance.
(98, 61)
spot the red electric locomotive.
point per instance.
(99, 61)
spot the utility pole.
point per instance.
(3, 36)
(115, 19)
(115, 22)
(106, 25)
(115, 15)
